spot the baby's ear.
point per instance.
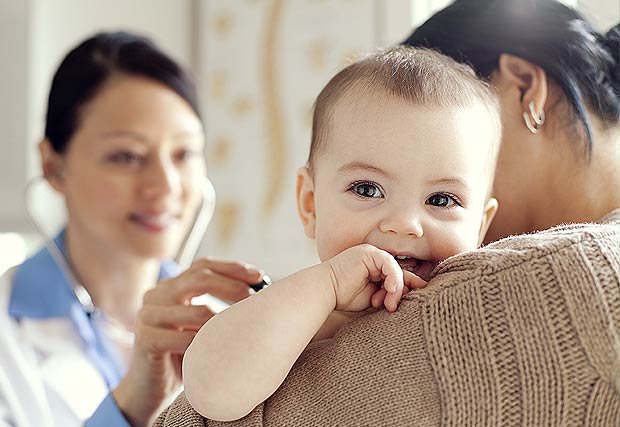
(490, 209)
(305, 201)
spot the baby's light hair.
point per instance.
(419, 76)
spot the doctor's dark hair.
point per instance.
(583, 62)
(88, 66)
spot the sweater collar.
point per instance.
(613, 216)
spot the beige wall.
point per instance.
(14, 90)
(603, 13)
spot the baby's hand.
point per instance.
(365, 276)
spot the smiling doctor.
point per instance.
(123, 145)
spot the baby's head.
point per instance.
(404, 144)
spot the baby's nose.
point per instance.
(402, 223)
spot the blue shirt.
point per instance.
(41, 291)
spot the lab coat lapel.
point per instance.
(66, 373)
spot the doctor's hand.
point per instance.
(166, 325)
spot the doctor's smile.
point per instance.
(155, 223)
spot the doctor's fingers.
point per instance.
(233, 269)
(156, 340)
(194, 283)
(176, 317)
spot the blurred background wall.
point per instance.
(259, 65)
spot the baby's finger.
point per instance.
(394, 288)
(377, 299)
(381, 265)
(412, 281)
(391, 284)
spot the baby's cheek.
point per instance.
(333, 238)
(452, 241)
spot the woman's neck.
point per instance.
(116, 281)
(588, 190)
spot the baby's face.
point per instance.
(408, 179)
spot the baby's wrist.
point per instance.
(327, 283)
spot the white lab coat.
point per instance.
(46, 378)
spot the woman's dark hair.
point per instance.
(88, 66)
(582, 61)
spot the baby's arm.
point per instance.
(242, 355)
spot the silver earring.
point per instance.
(539, 120)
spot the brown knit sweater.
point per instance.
(523, 332)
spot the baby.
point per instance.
(404, 144)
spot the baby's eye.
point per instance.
(367, 190)
(442, 200)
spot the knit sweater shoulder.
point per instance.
(525, 331)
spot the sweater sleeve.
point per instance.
(522, 332)
(361, 372)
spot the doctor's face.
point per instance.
(132, 172)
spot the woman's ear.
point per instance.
(490, 209)
(528, 78)
(305, 201)
(52, 165)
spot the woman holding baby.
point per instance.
(524, 330)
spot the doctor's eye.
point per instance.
(366, 190)
(126, 158)
(187, 154)
(443, 200)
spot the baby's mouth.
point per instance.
(406, 262)
(419, 267)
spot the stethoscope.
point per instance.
(187, 253)
(111, 327)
